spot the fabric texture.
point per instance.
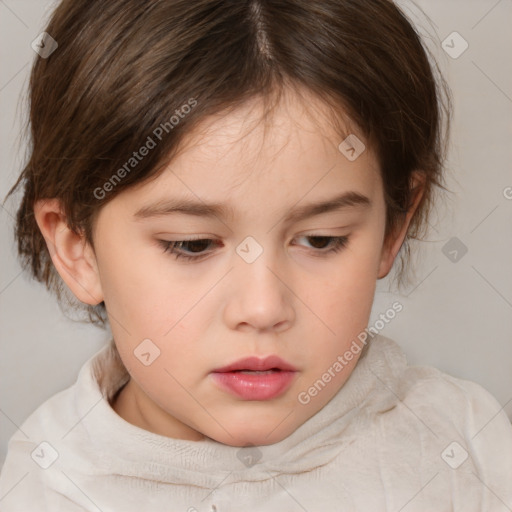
(394, 438)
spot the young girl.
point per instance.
(222, 184)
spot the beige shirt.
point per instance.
(394, 438)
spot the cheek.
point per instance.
(343, 301)
(348, 287)
(145, 301)
(140, 291)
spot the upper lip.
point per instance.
(257, 364)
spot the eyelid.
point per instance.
(338, 243)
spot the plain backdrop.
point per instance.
(457, 315)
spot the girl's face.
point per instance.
(270, 275)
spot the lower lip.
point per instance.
(255, 386)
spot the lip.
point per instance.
(258, 386)
(256, 364)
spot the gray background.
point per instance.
(457, 316)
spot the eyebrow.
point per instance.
(199, 209)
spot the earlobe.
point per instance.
(392, 245)
(73, 258)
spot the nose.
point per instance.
(259, 294)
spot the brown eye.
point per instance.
(321, 242)
(192, 246)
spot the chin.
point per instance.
(248, 440)
(253, 433)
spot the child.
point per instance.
(222, 184)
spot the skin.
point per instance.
(295, 300)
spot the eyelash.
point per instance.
(340, 242)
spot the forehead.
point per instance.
(295, 123)
(244, 157)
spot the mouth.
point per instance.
(255, 372)
(256, 379)
(254, 364)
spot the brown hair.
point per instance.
(126, 67)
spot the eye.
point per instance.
(336, 243)
(199, 245)
(196, 244)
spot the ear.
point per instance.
(395, 240)
(73, 258)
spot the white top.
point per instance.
(394, 438)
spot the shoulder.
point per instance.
(463, 404)
(450, 425)
(31, 451)
(49, 442)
